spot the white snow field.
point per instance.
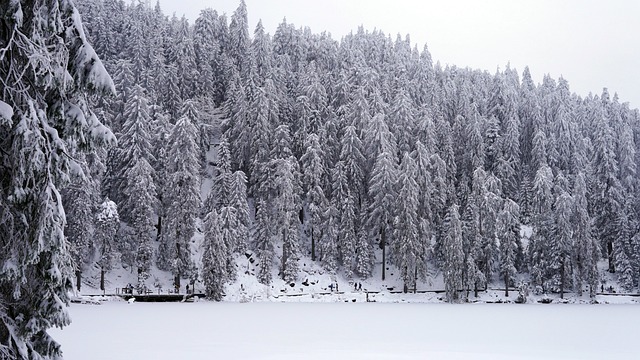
(353, 331)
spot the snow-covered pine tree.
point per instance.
(607, 196)
(508, 234)
(453, 254)
(229, 233)
(313, 173)
(562, 242)
(382, 191)
(263, 242)
(47, 68)
(586, 252)
(78, 201)
(222, 181)
(407, 247)
(134, 144)
(472, 235)
(141, 193)
(344, 203)
(328, 243)
(286, 205)
(354, 162)
(539, 260)
(183, 198)
(214, 258)
(239, 202)
(365, 257)
(107, 224)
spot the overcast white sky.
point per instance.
(593, 44)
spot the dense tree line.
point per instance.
(355, 152)
(348, 147)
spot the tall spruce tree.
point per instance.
(48, 67)
(183, 198)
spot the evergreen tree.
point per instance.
(134, 144)
(365, 257)
(107, 224)
(587, 250)
(141, 192)
(607, 192)
(407, 246)
(313, 174)
(214, 258)
(382, 208)
(264, 242)
(453, 254)
(183, 198)
(239, 202)
(509, 231)
(329, 240)
(41, 122)
(286, 206)
(78, 200)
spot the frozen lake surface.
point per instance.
(353, 331)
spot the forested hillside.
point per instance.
(344, 150)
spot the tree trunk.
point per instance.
(383, 245)
(176, 279)
(285, 252)
(313, 246)
(506, 285)
(612, 267)
(159, 228)
(102, 279)
(78, 280)
(415, 279)
(562, 278)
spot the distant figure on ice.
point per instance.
(360, 286)
(336, 286)
(187, 289)
(331, 287)
(355, 286)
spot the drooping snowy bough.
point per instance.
(47, 69)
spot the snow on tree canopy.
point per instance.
(108, 210)
(6, 113)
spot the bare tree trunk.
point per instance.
(176, 279)
(285, 252)
(506, 285)
(562, 278)
(384, 246)
(313, 245)
(78, 280)
(159, 228)
(102, 279)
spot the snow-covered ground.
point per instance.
(347, 330)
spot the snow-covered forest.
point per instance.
(355, 153)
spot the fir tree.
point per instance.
(44, 46)
(407, 246)
(183, 198)
(313, 174)
(264, 242)
(214, 258)
(141, 192)
(382, 208)
(453, 254)
(107, 224)
(587, 250)
(509, 232)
